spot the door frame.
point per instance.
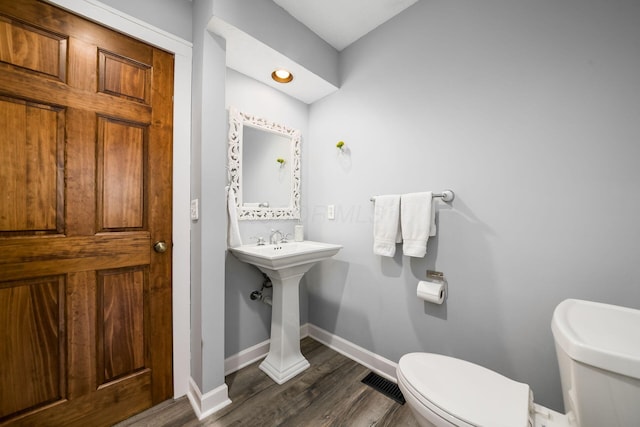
(181, 221)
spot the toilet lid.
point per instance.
(465, 391)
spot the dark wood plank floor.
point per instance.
(329, 393)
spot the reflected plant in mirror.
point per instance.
(265, 189)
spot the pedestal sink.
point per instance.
(285, 264)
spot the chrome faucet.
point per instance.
(275, 237)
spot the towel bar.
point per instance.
(446, 195)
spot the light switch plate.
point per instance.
(195, 211)
(331, 212)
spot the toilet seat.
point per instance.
(464, 394)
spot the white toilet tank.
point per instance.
(598, 348)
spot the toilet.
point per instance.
(598, 350)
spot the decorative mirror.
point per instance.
(264, 167)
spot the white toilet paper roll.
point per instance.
(431, 291)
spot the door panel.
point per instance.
(34, 141)
(37, 334)
(46, 52)
(85, 302)
(124, 77)
(121, 154)
(121, 346)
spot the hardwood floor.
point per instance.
(329, 393)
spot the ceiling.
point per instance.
(342, 22)
(338, 22)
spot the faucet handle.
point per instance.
(285, 238)
(260, 240)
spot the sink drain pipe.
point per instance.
(259, 295)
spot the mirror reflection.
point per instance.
(266, 172)
(264, 167)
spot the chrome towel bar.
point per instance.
(446, 196)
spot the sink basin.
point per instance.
(285, 255)
(285, 264)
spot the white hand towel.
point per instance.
(386, 225)
(432, 223)
(417, 219)
(233, 230)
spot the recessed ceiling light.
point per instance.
(282, 76)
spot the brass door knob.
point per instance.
(160, 247)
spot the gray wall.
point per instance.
(173, 16)
(208, 178)
(248, 322)
(530, 112)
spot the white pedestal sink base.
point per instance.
(285, 264)
(282, 377)
(284, 360)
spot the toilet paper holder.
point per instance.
(437, 276)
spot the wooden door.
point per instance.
(85, 192)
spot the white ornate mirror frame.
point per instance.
(237, 120)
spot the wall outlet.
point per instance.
(331, 212)
(195, 210)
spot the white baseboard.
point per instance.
(208, 403)
(378, 364)
(252, 354)
(246, 357)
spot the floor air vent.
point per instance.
(384, 386)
